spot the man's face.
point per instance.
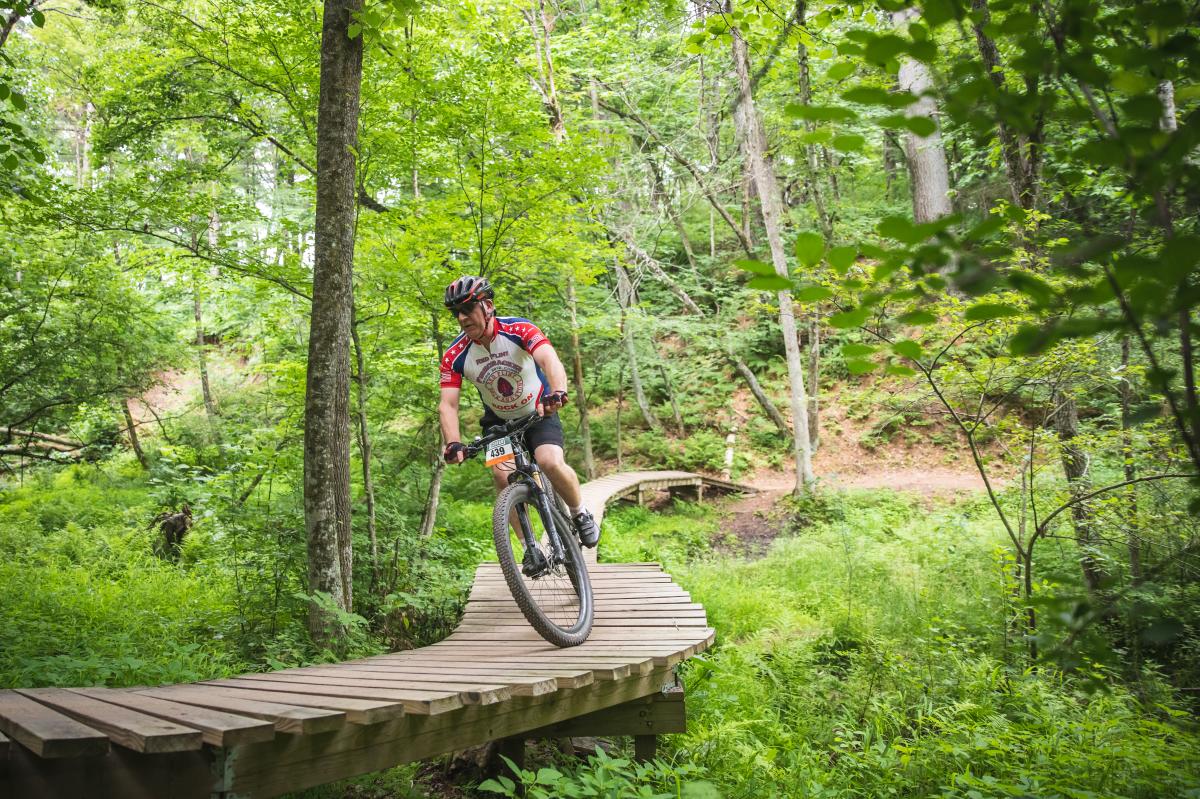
(472, 318)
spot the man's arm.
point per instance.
(547, 359)
(448, 416)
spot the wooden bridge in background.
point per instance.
(493, 678)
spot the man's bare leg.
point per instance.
(500, 474)
(550, 458)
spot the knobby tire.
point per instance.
(559, 606)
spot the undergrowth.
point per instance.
(866, 656)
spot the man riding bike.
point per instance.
(517, 372)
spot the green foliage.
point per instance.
(635, 534)
(87, 602)
(610, 777)
(866, 656)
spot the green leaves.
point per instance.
(903, 230)
(848, 142)
(843, 69)
(986, 311)
(921, 126)
(883, 48)
(874, 95)
(908, 349)
(810, 248)
(757, 267)
(819, 113)
(842, 258)
(855, 317)
(812, 294)
(769, 283)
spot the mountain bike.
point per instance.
(540, 554)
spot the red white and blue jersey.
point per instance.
(508, 379)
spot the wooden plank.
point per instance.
(591, 659)
(422, 702)
(216, 728)
(561, 678)
(594, 670)
(3, 746)
(601, 622)
(667, 628)
(418, 684)
(123, 726)
(602, 602)
(610, 614)
(358, 710)
(399, 687)
(527, 681)
(414, 701)
(46, 732)
(285, 717)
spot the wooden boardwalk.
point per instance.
(259, 735)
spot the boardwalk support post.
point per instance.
(644, 748)
(513, 748)
(645, 719)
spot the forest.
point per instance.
(923, 273)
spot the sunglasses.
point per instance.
(466, 308)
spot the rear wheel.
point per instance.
(558, 601)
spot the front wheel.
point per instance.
(557, 602)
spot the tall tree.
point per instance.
(327, 394)
(929, 176)
(767, 189)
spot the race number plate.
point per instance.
(499, 451)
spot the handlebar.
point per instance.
(479, 443)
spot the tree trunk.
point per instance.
(542, 24)
(327, 395)
(83, 131)
(747, 183)
(131, 431)
(809, 154)
(437, 465)
(210, 405)
(585, 428)
(625, 297)
(620, 402)
(814, 377)
(1166, 96)
(746, 118)
(929, 177)
(889, 164)
(1075, 467)
(757, 390)
(664, 371)
(665, 205)
(1131, 511)
(1014, 147)
(772, 412)
(364, 442)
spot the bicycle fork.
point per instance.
(531, 473)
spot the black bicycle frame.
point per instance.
(525, 468)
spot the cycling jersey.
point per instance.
(504, 372)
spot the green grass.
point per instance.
(86, 603)
(865, 656)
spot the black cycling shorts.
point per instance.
(547, 430)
